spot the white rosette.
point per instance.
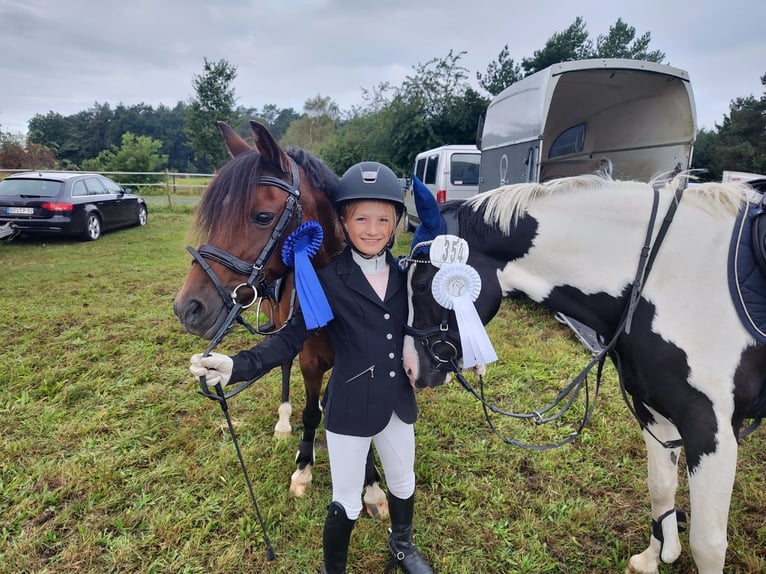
(456, 286)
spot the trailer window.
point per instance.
(571, 140)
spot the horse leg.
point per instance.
(710, 487)
(283, 429)
(662, 471)
(375, 500)
(312, 415)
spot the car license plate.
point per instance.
(19, 210)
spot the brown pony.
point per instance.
(252, 205)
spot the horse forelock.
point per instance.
(224, 205)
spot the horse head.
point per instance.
(252, 205)
(432, 347)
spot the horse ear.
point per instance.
(428, 210)
(234, 143)
(269, 148)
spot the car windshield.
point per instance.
(30, 187)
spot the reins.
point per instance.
(569, 394)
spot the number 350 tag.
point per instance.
(446, 249)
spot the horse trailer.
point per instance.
(629, 118)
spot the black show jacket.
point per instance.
(368, 381)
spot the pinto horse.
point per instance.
(659, 297)
(252, 205)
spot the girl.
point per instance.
(368, 397)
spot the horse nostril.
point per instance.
(189, 312)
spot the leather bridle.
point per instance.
(256, 278)
(440, 342)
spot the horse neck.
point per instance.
(551, 273)
(333, 241)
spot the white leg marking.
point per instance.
(710, 489)
(662, 479)
(283, 428)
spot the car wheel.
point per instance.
(92, 227)
(143, 215)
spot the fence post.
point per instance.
(167, 187)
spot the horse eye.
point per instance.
(263, 218)
(420, 286)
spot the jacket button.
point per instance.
(392, 374)
(387, 316)
(389, 336)
(391, 355)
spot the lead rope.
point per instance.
(254, 275)
(221, 398)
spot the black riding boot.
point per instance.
(335, 538)
(403, 551)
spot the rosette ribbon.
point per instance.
(301, 245)
(456, 286)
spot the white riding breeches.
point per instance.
(395, 445)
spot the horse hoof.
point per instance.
(281, 435)
(300, 481)
(377, 511)
(375, 501)
(298, 490)
(638, 564)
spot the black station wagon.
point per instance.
(68, 203)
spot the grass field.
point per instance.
(111, 461)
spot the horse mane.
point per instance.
(225, 203)
(505, 205)
(717, 199)
(320, 176)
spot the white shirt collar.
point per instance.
(371, 265)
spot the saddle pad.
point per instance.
(747, 283)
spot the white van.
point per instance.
(449, 171)
(739, 176)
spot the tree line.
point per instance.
(434, 105)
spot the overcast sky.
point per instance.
(65, 55)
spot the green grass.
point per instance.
(111, 462)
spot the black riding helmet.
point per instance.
(370, 180)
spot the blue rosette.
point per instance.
(299, 247)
